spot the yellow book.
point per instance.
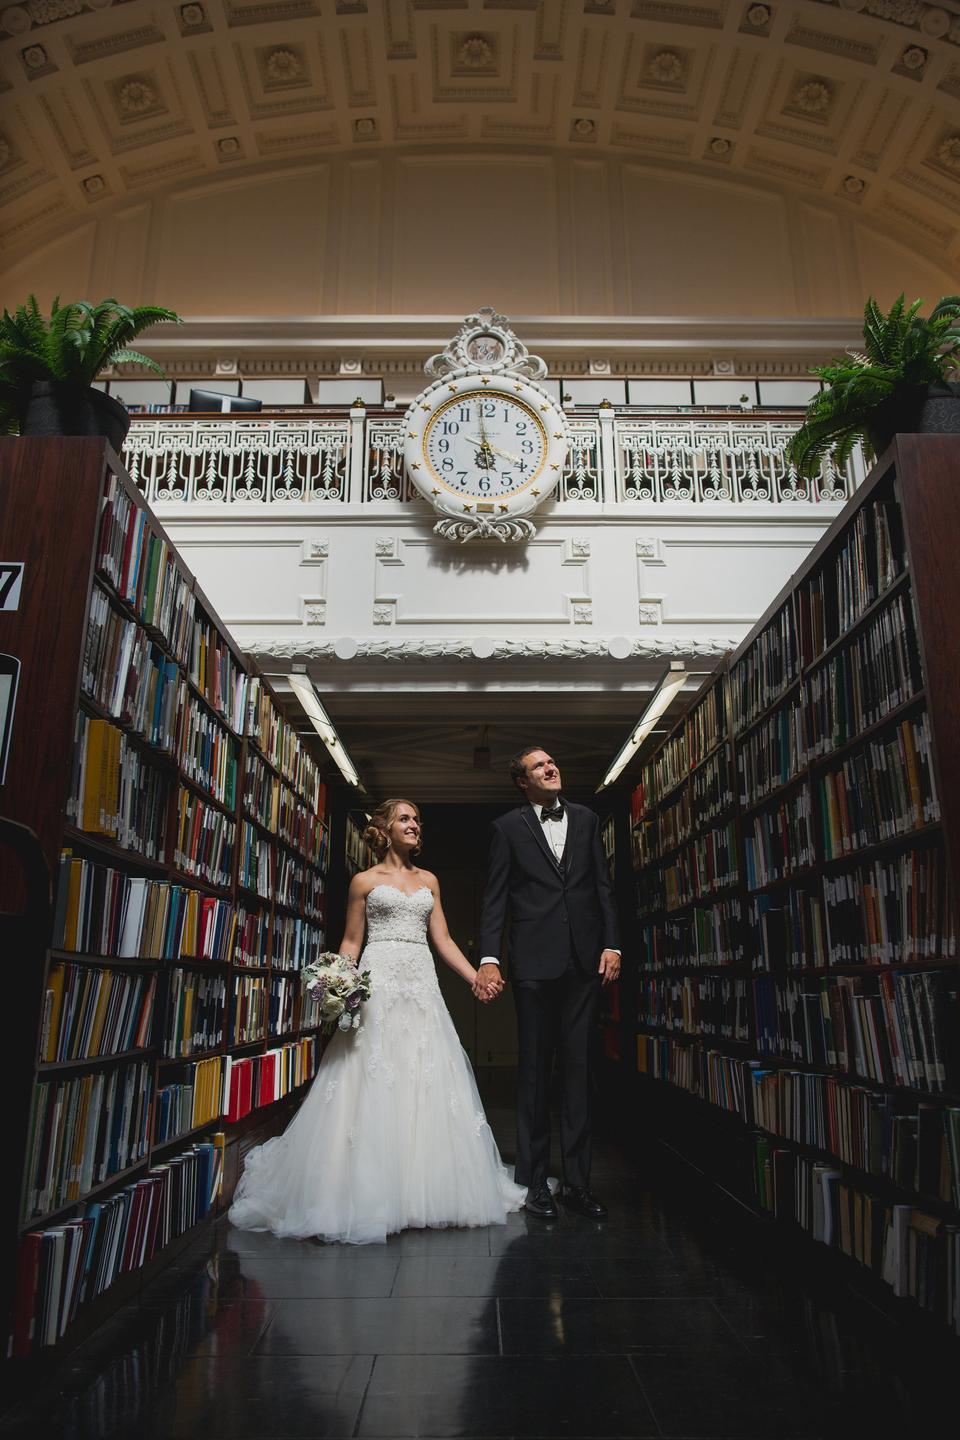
(89, 807)
(55, 987)
(73, 905)
(100, 1014)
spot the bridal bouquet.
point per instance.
(339, 987)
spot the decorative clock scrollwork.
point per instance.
(485, 444)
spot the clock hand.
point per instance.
(485, 445)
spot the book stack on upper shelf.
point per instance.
(795, 843)
(183, 824)
(356, 851)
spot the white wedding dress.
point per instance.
(392, 1134)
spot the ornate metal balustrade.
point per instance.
(239, 461)
(614, 459)
(716, 460)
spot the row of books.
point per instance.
(214, 670)
(773, 752)
(766, 670)
(253, 937)
(917, 1146)
(884, 790)
(299, 885)
(864, 680)
(707, 937)
(255, 866)
(708, 864)
(144, 569)
(912, 1251)
(712, 787)
(355, 848)
(207, 752)
(65, 1267)
(103, 911)
(193, 1013)
(869, 560)
(276, 807)
(894, 911)
(256, 1080)
(128, 674)
(894, 1027)
(89, 1012)
(779, 842)
(194, 1100)
(713, 1006)
(278, 740)
(673, 824)
(248, 1019)
(205, 840)
(670, 764)
(82, 1131)
(115, 791)
(706, 724)
(284, 993)
(813, 1193)
(296, 942)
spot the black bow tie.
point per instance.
(555, 812)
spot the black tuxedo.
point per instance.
(562, 915)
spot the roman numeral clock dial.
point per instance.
(484, 444)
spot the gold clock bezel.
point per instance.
(468, 395)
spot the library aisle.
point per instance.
(669, 1319)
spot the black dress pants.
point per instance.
(555, 1016)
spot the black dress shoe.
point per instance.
(541, 1203)
(579, 1198)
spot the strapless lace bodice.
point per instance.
(394, 915)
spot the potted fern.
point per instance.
(48, 366)
(899, 384)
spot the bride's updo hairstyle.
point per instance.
(377, 833)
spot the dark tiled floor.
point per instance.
(671, 1319)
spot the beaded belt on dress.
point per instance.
(397, 940)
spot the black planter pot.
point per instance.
(61, 407)
(934, 411)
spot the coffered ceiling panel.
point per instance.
(857, 100)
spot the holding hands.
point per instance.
(488, 983)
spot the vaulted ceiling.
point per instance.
(857, 101)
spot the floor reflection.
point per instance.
(669, 1319)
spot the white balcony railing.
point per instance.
(616, 458)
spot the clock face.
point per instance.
(485, 445)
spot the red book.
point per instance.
(24, 1303)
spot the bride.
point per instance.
(392, 1133)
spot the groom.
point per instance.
(548, 868)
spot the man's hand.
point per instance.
(489, 982)
(609, 966)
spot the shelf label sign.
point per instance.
(11, 583)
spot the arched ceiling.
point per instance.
(857, 102)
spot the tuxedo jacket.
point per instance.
(553, 908)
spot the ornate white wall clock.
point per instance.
(485, 444)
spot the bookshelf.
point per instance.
(182, 824)
(794, 842)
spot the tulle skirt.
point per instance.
(392, 1134)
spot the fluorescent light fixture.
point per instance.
(671, 684)
(302, 687)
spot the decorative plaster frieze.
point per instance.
(480, 649)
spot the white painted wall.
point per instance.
(295, 581)
(398, 233)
